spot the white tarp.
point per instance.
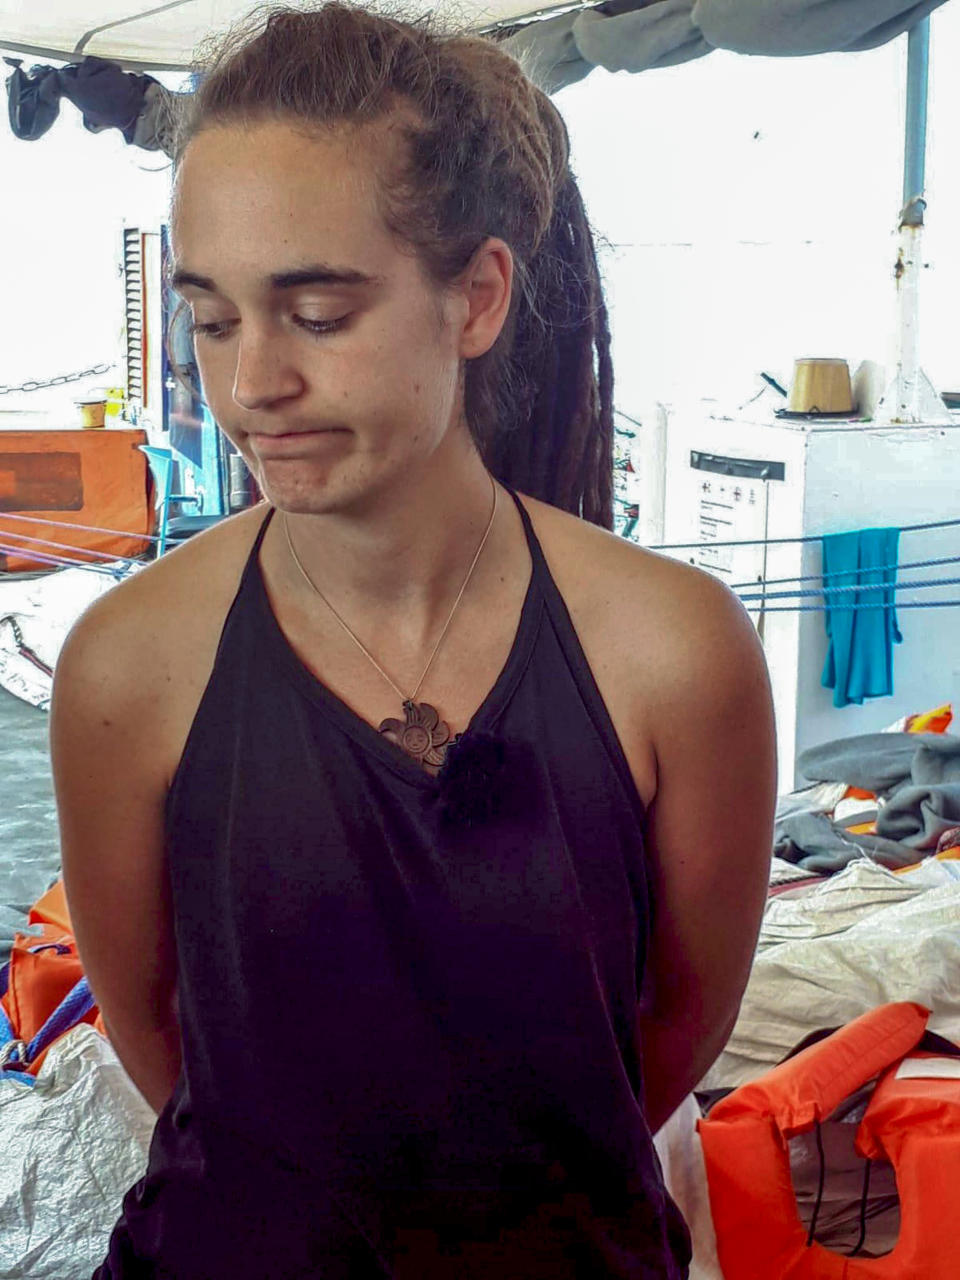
(38, 613)
(72, 1146)
(867, 936)
(629, 35)
(167, 33)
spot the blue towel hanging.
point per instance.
(860, 655)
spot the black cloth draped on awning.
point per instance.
(106, 96)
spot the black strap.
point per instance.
(863, 1210)
(819, 1200)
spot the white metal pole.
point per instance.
(911, 397)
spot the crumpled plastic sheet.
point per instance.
(861, 950)
(72, 1145)
(685, 1172)
(45, 608)
(861, 889)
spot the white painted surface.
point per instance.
(838, 477)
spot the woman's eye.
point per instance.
(216, 329)
(219, 328)
(321, 326)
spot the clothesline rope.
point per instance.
(769, 542)
(60, 562)
(651, 546)
(819, 577)
(821, 608)
(865, 586)
(46, 543)
(65, 524)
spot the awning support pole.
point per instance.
(911, 396)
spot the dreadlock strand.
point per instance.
(603, 512)
(543, 438)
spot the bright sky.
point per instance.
(752, 203)
(66, 197)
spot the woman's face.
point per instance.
(332, 389)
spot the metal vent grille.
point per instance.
(133, 313)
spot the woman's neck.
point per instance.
(399, 565)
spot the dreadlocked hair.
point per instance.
(486, 154)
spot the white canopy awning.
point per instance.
(157, 36)
(565, 44)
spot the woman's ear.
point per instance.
(487, 286)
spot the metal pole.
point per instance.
(915, 154)
(911, 398)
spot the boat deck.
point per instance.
(29, 842)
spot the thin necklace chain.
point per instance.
(360, 645)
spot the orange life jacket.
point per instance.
(42, 995)
(913, 1122)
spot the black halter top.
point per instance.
(407, 1002)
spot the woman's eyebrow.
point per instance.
(320, 273)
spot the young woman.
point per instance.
(415, 828)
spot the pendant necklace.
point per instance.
(422, 735)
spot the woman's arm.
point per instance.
(110, 790)
(709, 836)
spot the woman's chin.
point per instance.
(304, 489)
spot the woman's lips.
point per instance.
(294, 444)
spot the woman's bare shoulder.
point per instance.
(640, 611)
(183, 586)
(590, 558)
(146, 632)
(145, 648)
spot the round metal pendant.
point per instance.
(422, 735)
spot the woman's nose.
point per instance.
(264, 373)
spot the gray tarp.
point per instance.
(559, 51)
(917, 775)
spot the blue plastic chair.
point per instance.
(161, 464)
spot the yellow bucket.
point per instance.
(92, 412)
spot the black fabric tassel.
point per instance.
(472, 779)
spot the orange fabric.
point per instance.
(51, 908)
(936, 721)
(81, 477)
(915, 1122)
(38, 981)
(945, 855)
(858, 793)
(899, 1107)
